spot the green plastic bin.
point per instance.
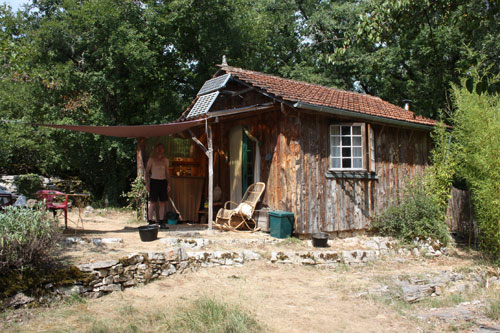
(281, 223)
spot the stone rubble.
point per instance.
(324, 258)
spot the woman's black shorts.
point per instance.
(158, 190)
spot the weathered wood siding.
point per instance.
(294, 146)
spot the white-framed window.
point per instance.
(346, 147)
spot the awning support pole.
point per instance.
(210, 177)
(195, 139)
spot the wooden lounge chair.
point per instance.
(239, 216)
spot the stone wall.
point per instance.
(101, 278)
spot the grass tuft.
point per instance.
(290, 241)
(209, 315)
(492, 311)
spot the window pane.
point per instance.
(346, 141)
(335, 163)
(335, 151)
(358, 163)
(346, 163)
(346, 130)
(346, 152)
(356, 141)
(335, 130)
(357, 152)
(356, 130)
(335, 140)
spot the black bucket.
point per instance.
(320, 239)
(148, 233)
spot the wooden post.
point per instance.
(141, 172)
(140, 162)
(210, 177)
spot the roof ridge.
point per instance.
(298, 81)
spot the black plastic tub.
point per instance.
(320, 239)
(148, 233)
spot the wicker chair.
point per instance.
(239, 216)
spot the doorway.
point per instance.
(241, 162)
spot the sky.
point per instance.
(15, 4)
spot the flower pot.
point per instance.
(320, 239)
(148, 233)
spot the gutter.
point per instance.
(345, 113)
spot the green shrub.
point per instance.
(28, 239)
(28, 184)
(137, 197)
(477, 152)
(415, 214)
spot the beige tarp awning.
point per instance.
(139, 131)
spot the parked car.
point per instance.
(6, 198)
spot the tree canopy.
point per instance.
(110, 62)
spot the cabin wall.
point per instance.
(295, 159)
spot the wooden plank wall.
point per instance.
(295, 158)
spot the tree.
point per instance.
(477, 153)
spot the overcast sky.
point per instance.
(15, 4)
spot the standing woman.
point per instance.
(157, 184)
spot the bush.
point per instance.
(137, 197)
(416, 214)
(477, 151)
(28, 184)
(28, 239)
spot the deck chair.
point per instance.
(235, 216)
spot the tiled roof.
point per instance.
(296, 91)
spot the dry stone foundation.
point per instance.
(139, 268)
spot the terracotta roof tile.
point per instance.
(296, 91)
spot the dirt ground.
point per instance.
(283, 298)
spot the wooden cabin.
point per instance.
(332, 157)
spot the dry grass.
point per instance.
(258, 296)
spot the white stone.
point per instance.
(107, 280)
(71, 290)
(308, 261)
(169, 270)
(111, 288)
(371, 244)
(136, 258)
(97, 265)
(250, 255)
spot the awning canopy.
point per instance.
(139, 131)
